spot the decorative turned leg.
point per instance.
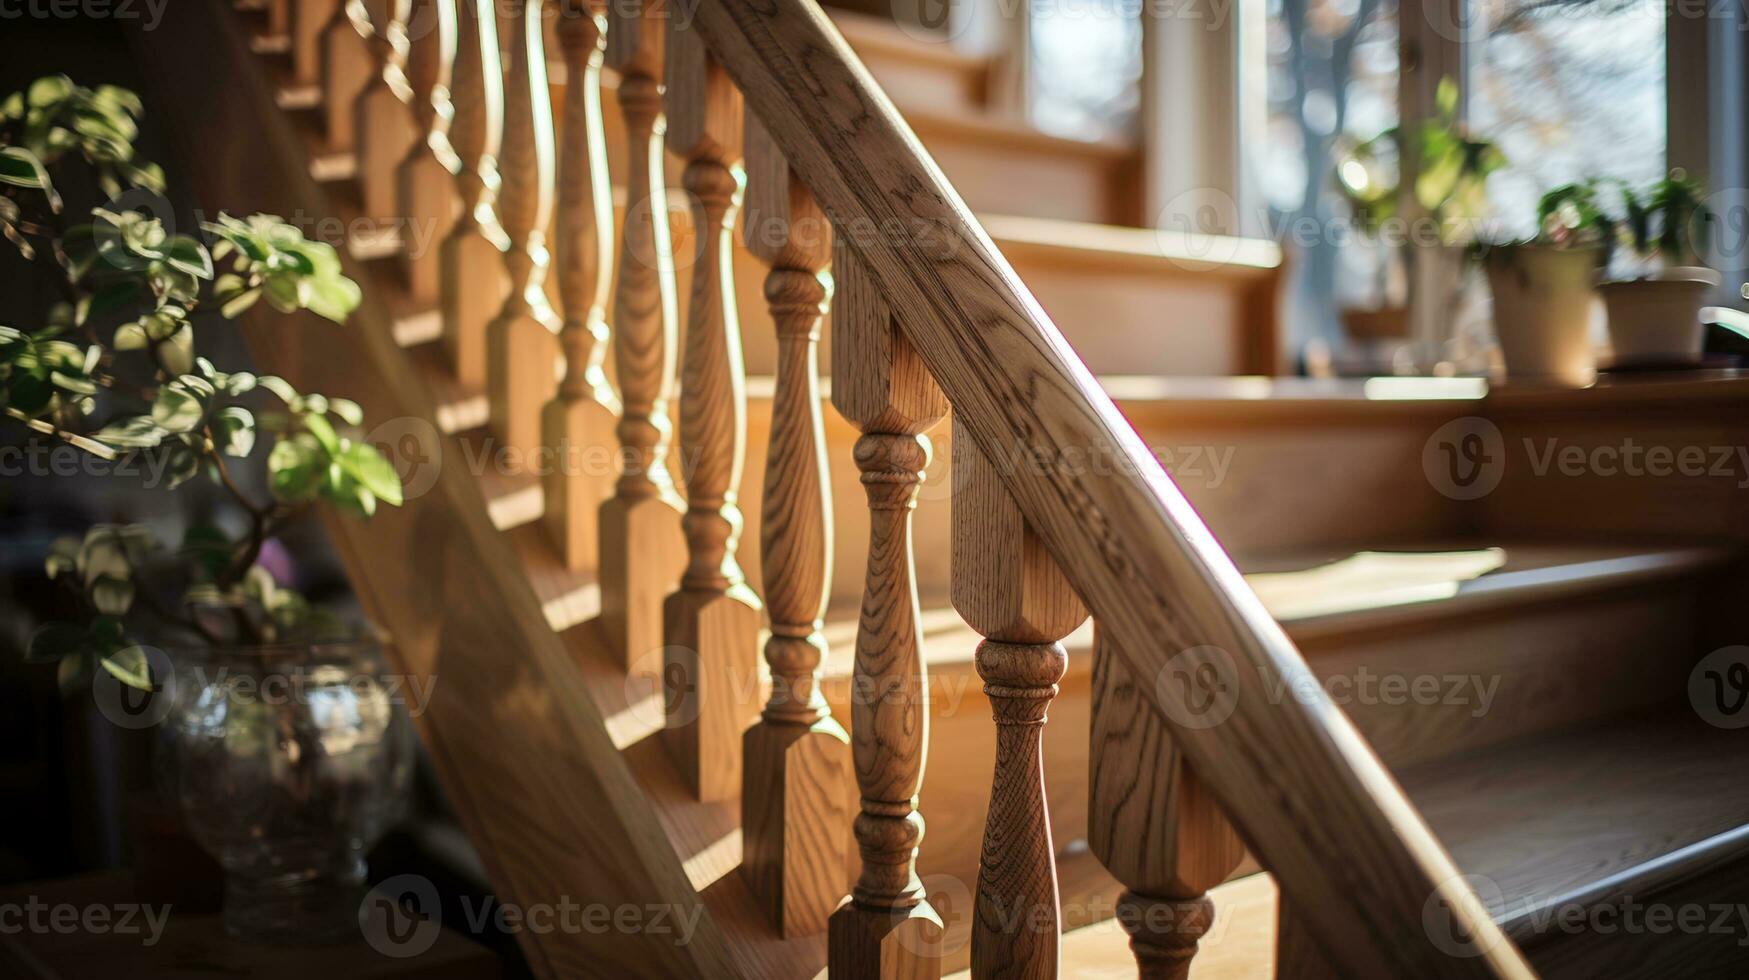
(385, 116)
(425, 180)
(471, 281)
(1164, 932)
(308, 18)
(346, 70)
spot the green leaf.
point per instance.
(190, 256)
(234, 430)
(130, 336)
(377, 474)
(279, 386)
(183, 464)
(177, 410)
(63, 557)
(177, 353)
(347, 410)
(324, 433)
(1445, 97)
(48, 90)
(293, 470)
(74, 674)
(209, 548)
(20, 168)
(52, 641)
(111, 596)
(130, 667)
(137, 432)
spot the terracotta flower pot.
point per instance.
(1659, 316)
(1542, 311)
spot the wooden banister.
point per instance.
(1008, 589)
(1303, 788)
(887, 928)
(711, 623)
(426, 177)
(522, 347)
(795, 802)
(385, 115)
(578, 425)
(473, 281)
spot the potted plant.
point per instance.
(1654, 314)
(1543, 288)
(286, 791)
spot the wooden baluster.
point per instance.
(1152, 823)
(347, 59)
(522, 344)
(384, 117)
(578, 425)
(795, 801)
(1009, 589)
(473, 282)
(308, 19)
(426, 177)
(278, 18)
(881, 386)
(711, 625)
(642, 550)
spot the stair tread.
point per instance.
(1590, 814)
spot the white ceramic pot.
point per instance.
(1659, 316)
(1542, 311)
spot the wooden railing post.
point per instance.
(711, 624)
(425, 179)
(1151, 822)
(473, 282)
(1007, 587)
(795, 800)
(879, 384)
(642, 550)
(387, 130)
(346, 70)
(577, 426)
(308, 19)
(522, 345)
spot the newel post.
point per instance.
(1010, 590)
(384, 116)
(1152, 823)
(795, 800)
(473, 282)
(642, 550)
(522, 346)
(425, 178)
(711, 625)
(577, 426)
(880, 385)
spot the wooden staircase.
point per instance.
(1454, 735)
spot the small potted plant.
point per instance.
(285, 789)
(1654, 312)
(1544, 287)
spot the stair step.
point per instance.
(1646, 810)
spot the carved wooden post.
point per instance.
(1152, 824)
(426, 177)
(473, 282)
(384, 117)
(308, 18)
(578, 425)
(795, 800)
(642, 550)
(1008, 588)
(879, 384)
(522, 345)
(711, 625)
(346, 70)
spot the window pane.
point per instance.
(1086, 60)
(1568, 90)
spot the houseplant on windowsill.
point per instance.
(287, 790)
(1654, 315)
(1544, 288)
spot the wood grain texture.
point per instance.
(800, 842)
(1152, 823)
(889, 717)
(1008, 589)
(308, 18)
(642, 549)
(385, 117)
(523, 359)
(346, 70)
(473, 282)
(426, 177)
(1298, 780)
(580, 421)
(702, 629)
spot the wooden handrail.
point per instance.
(1303, 788)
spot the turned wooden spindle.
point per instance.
(795, 801)
(387, 130)
(711, 624)
(425, 178)
(472, 277)
(348, 60)
(1152, 823)
(1010, 590)
(577, 427)
(642, 549)
(880, 385)
(308, 19)
(522, 344)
